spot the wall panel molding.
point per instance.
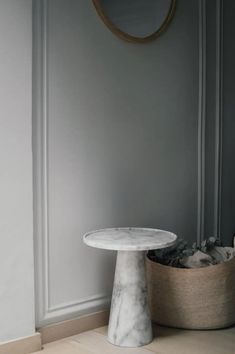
(218, 118)
(46, 312)
(40, 159)
(201, 122)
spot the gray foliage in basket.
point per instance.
(210, 252)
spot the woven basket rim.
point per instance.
(204, 269)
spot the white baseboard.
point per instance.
(72, 327)
(23, 345)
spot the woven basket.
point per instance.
(202, 298)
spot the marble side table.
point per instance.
(129, 322)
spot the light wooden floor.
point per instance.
(167, 341)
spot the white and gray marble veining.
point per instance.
(130, 239)
(129, 322)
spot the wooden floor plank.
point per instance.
(97, 343)
(176, 341)
(103, 330)
(64, 347)
(193, 342)
(167, 341)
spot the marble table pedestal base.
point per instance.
(129, 322)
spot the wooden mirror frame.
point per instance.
(127, 37)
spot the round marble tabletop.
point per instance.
(130, 239)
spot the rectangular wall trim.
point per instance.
(40, 157)
(201, 121)
(218, 118)
(45, 312)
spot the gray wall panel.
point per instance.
(122, 125)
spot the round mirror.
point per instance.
(136, 20)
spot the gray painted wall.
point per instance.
(122, 145)
(97, 178)
(16, 207)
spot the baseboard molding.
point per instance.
(53, 332)
(23, 345)
(72, 327)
